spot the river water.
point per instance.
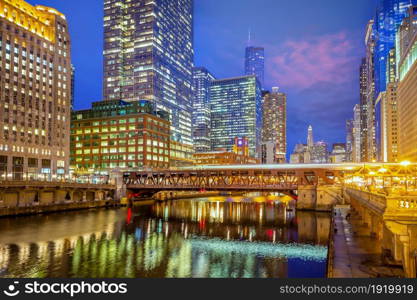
(238, 237)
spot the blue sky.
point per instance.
(313, 51)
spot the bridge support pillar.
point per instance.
(307, 197)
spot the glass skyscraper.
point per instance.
(236, 111)
(389, 15)
(255, 63)
(202, 79)
(148, 55)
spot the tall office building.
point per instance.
(274, 127)
(148, 55)
(310, 139)
(255, 63)
(236, 111)
(202, 79)
(357, 134)
(363, 87)
(389, 16)
(406, 57)
(35, 91)
(371, 142)
(389, 113)
(349, 139)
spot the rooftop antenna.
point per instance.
(249, 37)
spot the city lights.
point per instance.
(198, 154)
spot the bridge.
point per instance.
(303, 182)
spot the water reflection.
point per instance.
(214, 237)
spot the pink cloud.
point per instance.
(304, 62)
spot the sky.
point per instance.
(313, 52)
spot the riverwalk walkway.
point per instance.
(356, 253)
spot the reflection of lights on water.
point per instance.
(300, 251)
(4, 257)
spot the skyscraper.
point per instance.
(236, 111)
(35, 91)
(371, 143)
(406, 58)
(255, 63)
(148, 55)
(202, 79)
(363, 135)
(389, 15)
(349, 139)
(274, 127)
(389, 113)
(310, 139)
(357, 134)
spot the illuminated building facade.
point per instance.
(236, 111)
(220, 158)
(406, 57)
(371, 141)
(357, 134)
(201, 109)
(35, 92)
(255, 63)
(389, 16)
(389, 113)
(311, 152)
(148, 55)
(274, 119)
(319, 153)
(363, 88)
(349, 140)
(119, 135)
(241, 146)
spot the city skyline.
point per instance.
(222, 52)
(179, 169)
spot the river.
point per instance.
(218, 237)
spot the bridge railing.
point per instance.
(401, 205)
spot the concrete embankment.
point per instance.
(353, 253)
(56, 207)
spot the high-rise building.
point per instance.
(236, 111)
(202, 79)
(371, 142)
(406, 57)
(389, 16)
(35, 91)
(119, 135)
(319, 153)
(310, 138)
(363, 80)
(357, 134)
(148, 55)
(349, 140)
(389, 113)
(274, 127)
(255, 63)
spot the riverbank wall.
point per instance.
(55, 207)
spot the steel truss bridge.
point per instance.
(268, 177)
